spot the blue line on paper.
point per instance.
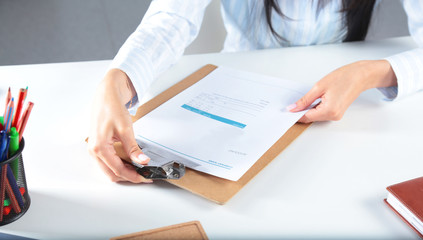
(215, 117)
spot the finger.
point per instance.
(108, 172)
(309, 116)
(131, 147)
(94, 152)
(306, 100)
(322, 113)
(117, 166)
(305, 119)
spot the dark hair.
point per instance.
(357, 17)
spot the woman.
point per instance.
(171, 25)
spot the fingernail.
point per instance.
(292, 106)
(143, 158)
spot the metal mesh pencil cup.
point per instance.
(10, 213)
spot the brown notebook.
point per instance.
(213, 188)
(190, 230)
(406, 200)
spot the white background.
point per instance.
(44, 31)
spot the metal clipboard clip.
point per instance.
(159, 167)
(170, 170)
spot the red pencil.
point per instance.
(20, 103)
(12, 197)
(24, 119)
(9, 96)
(3, 179)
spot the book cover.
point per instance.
(406, 200)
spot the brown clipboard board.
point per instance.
(213, 188)
(187, 231)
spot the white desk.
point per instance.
(330, 183)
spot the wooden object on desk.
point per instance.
(213, 188)
(190, 230)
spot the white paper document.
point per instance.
(222, 124)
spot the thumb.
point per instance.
(306, 100)
(132, 149)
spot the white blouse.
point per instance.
(169, 26)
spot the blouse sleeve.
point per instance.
(167, 28)
(408, 66)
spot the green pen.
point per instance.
(6, 202)
(13, 148)
(2, 120)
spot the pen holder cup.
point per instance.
(13, 187)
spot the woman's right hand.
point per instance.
(110, 123)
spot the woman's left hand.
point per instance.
(340, 88)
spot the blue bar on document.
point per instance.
(215, 117)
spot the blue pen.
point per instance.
(6, 151)
(9, 116)
(3, 145)
(14, 185)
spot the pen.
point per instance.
(1, 122)
(20, 102)
(13, 148)
(3, 144)
(14, 186)
(8, 117)
(6, 152)
(24, 119)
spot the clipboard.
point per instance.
(210, 187)
(189, 230)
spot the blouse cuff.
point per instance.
(408, 72)
(135, 63)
